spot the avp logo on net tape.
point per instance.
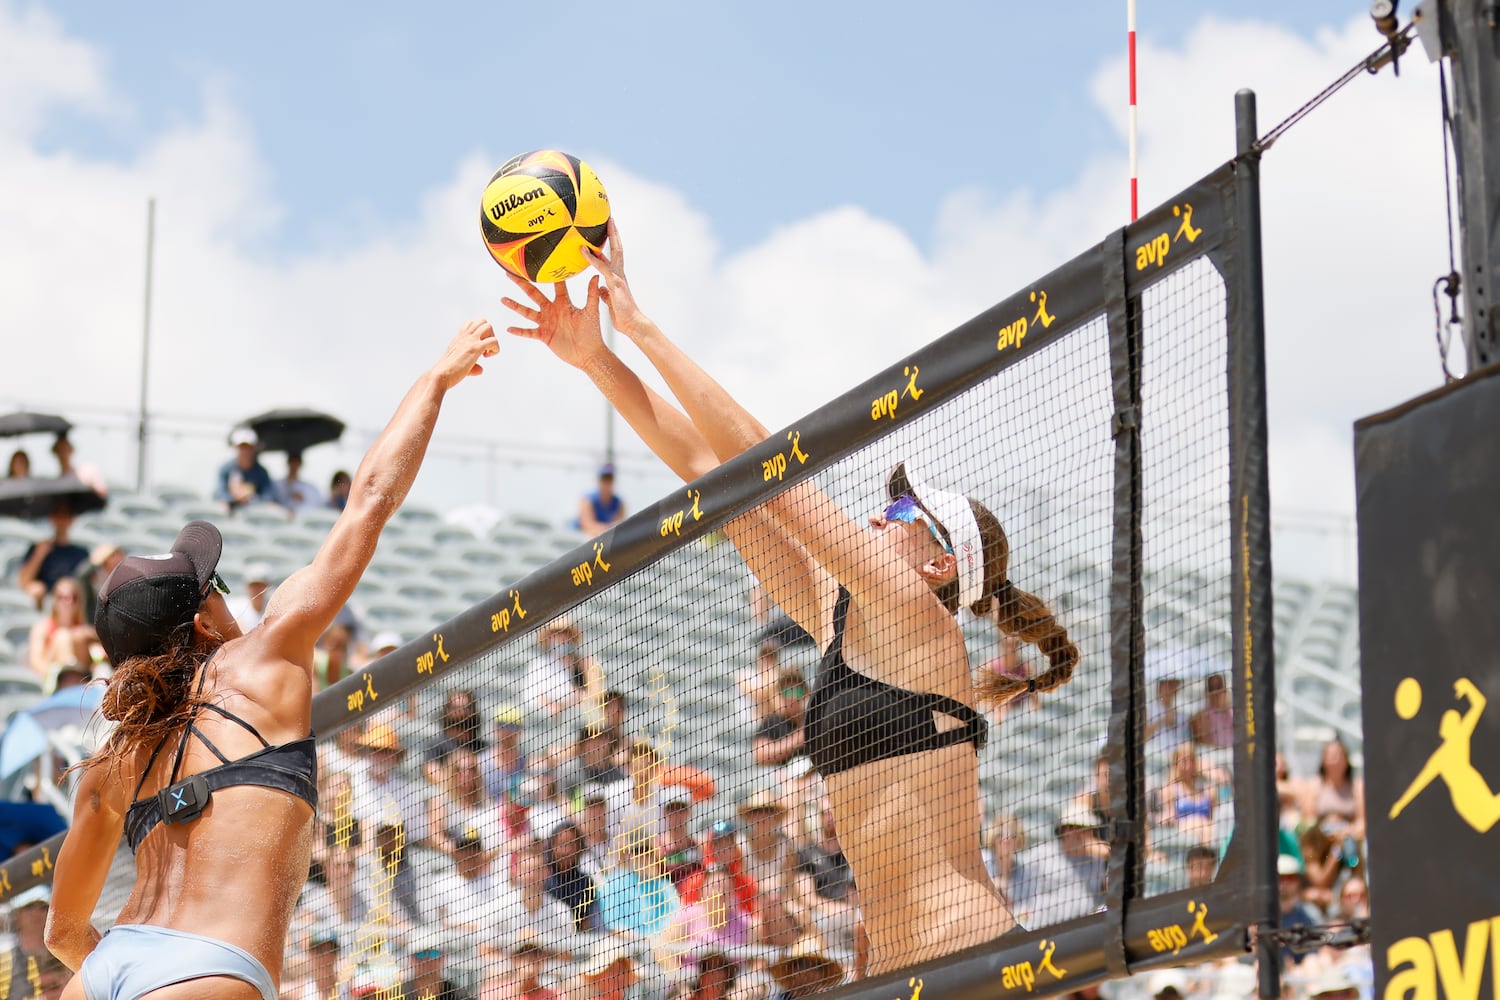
(1175, 937)
(672, 523)
(776, 466)
(357, 699)
(429, 659)
(583, 573)
(1013, 333)
(500, 620)
(1156, 249)
(1024, 975)
(885, 406)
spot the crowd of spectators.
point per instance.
(244, 480)
(550, 849)
(592, 866)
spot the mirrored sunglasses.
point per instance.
(215, 582)
(904, 509)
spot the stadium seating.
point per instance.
(1316, 622)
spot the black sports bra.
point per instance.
(853, 719)
(287, 767)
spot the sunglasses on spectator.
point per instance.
(795, 691)
(904, 509)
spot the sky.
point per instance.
(836, 183)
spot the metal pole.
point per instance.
(1474, 48)
(1251, 514)
(140, 432)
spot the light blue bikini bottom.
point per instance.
(133, 959)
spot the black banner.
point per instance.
(1428, 475)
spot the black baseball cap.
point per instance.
(147, 597)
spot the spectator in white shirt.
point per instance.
(463, 900)
(562, 677)
(524, 904)
(249, 609)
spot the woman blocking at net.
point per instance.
(211, 771)
(891, 724)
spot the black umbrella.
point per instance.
(35, 498)
(294, 430)
(25, 422)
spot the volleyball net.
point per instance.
(602, 761)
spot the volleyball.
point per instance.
(538, 213)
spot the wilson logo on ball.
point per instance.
(512, 202)
(540, 211)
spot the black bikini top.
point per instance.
(854, 719)
(287, 767)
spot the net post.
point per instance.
(1126, 599)
(1255, 751)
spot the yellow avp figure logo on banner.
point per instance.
(1472, 798)
(1448, 962)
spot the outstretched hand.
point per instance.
(571, 332)
(476, 340)
(623, 311)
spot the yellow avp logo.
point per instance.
(583, 573)
(368, 696)
(1439, 964)
(1013, 333)
(1418, 965)
(1156, 250)
(1470, 793)
(1025, 975)
(886, 405)
(672, 523)
(1175, 937)
(500, 621)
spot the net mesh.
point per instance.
(652, 733)
(1189, 758)
(625, 794)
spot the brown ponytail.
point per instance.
(1019, 614)
(149, 696)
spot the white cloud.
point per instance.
(42, 71)
(1353, 228)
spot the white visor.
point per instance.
(955, 520)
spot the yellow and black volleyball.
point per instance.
(538, 212)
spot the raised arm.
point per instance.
(881, 581)
(305, 605)
(778, 560)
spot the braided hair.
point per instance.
(1018, 613)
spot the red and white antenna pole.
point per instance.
(1134, 165)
